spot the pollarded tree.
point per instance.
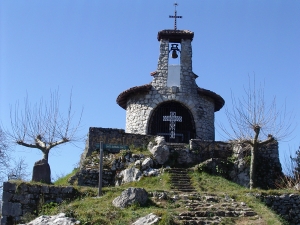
(256, 122)
(42, 125)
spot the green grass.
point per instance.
(91, 210)
(64, 180)
(158, 183)
(220, 186)
(99, 210)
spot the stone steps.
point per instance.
(204, 208)
(180, 180)
(211, 209)
(202, 220)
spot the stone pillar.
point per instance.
(160, 79)
(187, 77)
(41, 172)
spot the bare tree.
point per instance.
(18, 170)
(296, 163)
(291, 178)
(256, 122)
(42, 125)
(4, 156)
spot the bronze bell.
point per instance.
(174, 49)
(174, 54)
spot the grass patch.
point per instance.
(64, 180)
(158, 183)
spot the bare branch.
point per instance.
(43, 125)
(254, 121)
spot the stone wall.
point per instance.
(112, 136)
(286, 205)
(18, 200)
(90, 177)
(268, 165)
(234, 157)
(199, 151)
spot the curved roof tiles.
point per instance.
(144, 89)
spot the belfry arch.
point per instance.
(174, 121)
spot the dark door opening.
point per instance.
(174, 121)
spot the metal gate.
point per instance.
(174, 121)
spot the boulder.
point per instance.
(131, 196)
(185, 157)
(137, 163)
(58, 219)
(160, 151)
(147, 220)
(147, 163)
(150, 172)
(128, 175)
(41, 172)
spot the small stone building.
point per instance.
(172, 105)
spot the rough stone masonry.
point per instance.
(142, 102)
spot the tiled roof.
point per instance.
(123, 97)
(175, 35)
(219, 101)
(144, 89)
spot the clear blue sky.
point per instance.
(101, 48)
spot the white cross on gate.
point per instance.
(172, 119)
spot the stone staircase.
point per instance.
(180, 180)
(203, 208)
(211, 209)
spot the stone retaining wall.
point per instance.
(286, 205)
(90, 177)
(113, 136)
(21, 199)
(197, 151)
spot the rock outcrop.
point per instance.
(150, 219)
(131, 196)
(160, 151)
(59, 219)
(128, 175)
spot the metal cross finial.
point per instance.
(175, 16)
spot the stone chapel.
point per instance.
(172, 105)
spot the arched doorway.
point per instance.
(174, 121)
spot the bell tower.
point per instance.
(175, 43)
(172, 105)
(175, 77)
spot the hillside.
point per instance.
(215, 194)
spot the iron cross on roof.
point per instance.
(175, 23)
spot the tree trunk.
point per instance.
(253, 166)
(254, 149)
(46, 155)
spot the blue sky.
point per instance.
(100, 48)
